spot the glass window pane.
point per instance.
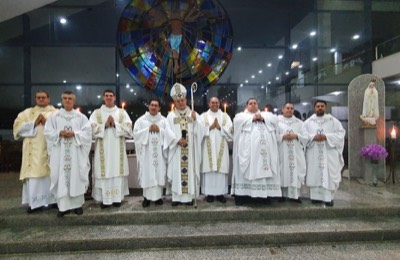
(74, 64)
(11, 64)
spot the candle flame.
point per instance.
(393, 133)
(123, 105)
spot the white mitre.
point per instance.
(178, 91)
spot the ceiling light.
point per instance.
(79, 87)
(117, 75)
(260, 71)
(58, 104)
(64, 81)
(313, 33)
(63, 20)
(356, 37)
(280, 57)
(315, 59)
(269, 64)
(253, 76)
(287, 72)
(277, 78)
(131, 90)
(262, 86)
(300, 66)
(294, 46)
(336, 93)
(333, 50)
(239, 48)
(269, 82)
(241, 85)
(246, 81)
(89, 112)
(127, 85)
(98, 96)
(304, 103)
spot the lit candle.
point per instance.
(123, 105)
(393, 133)
(225, 107)
(172, 107)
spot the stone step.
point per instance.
(131, 213)
(197, 234)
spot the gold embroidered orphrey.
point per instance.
(183, 120)
(121, 145)
(221, 147)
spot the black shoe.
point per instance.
(103, 206)
(329, 204)
(30, 210)
(316, 201)
(145, 203)
(189, 203)
(296, 200)
(159, 202)
(239, 200)
(78, 211)
(117, 204)
(61, 214)
(221, 199)
(175, 203)
(210, 198)
(53, 206)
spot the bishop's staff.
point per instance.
(193, 89)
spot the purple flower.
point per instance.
(373, 151)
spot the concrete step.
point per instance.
(131, 213)
(200, 234)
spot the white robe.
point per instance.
(215, 154)
(151, 151)
(69, 157)
(35, 171)
(324, 159)
(183, 171)
(255, 167)
(292, 163)
(110, 168)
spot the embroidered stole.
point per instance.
(221, 147)
(183, 120)
(101, 145)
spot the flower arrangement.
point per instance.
(373, 151)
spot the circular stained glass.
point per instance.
(162, 42)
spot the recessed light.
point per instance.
(356, 37)
(63, 20)
(313, 33)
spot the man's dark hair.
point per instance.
(108, 91)
(287, 103)
(42, 91)
(252, 98)
(155, 99)
(319, 101)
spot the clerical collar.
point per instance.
(182, 112)
(104, 107)
(248, 112)
(213, 113)
(152, 118)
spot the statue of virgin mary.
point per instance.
(370, 112)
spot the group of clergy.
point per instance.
(272, 155)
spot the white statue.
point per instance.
(370, 112)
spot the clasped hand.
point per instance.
(215, 124)
(40, 120)
(67, 133)
(110, 122)
(154, 128)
